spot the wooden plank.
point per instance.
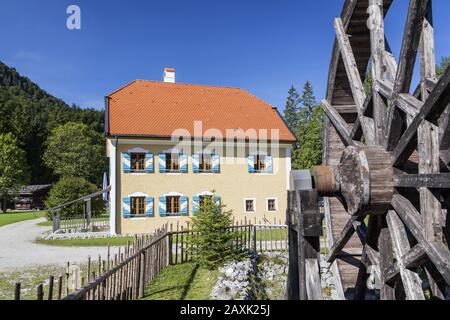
(313, 283)
(405, 70)
(387, 291)
(431, 180)
(414, 258)
(405, 102)
(411, 280)
(431, 111)
(354, 79)
(378, 66)
(348, 58)
(436, 251)
(339, 123)
(345, 235)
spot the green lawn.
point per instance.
(94, 242)
(182, 282)
(274, 234)
(9, 218)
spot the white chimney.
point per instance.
(169, 75)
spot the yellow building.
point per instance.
(171, 145)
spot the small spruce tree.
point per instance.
(213, 243)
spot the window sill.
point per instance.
(137, 217)
(250, 212)
(173, 215)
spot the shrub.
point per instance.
(71, 188)
(213, 243)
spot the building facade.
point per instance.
(173, 145)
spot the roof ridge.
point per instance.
(189, 84)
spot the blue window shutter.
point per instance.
(149, 167)
(196, 162)
(184, 205)
(183, 163)
(217, 200)
(216, 163)
(126, 162)
(269, 167)
(149, 207)
(162, 206)
(251, 163)
(195, 204)
(162, 162)
(126, 207)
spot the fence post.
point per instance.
(169, 248)
(89, 214)
(50, 287)
(40, 292)
(142, 275)
(17, 291)
(254, 239)
(56, 223)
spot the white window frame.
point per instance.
(254, 205)
(140, 194)
(276, 204)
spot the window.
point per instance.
(137, 162)
(137, 206)
(173, 205)
(172, 162)
(205, 162)
(272, 205)
(249, 205)
(260, 163)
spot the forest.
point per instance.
(30, 114)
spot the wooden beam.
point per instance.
(414, 258)
(431, 111)
(339, 123)
(313, 284)
(357, 131)
(405, 102)
(430, 180)
(342, 240)
(378, 48)
(436, 251)
(354, 79)
(428, 147)
(350, 64)
(411, 280)
(411, 39)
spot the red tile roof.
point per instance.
(156, 109)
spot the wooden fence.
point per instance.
(125, 275)
(254, 237)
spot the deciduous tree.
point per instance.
(13, 168)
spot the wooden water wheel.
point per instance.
(387, 151)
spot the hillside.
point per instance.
(30, 114)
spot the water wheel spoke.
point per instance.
(339, 124)
(410, 279)
(436, 251)
(431, 111)
(410, 44)
(431, 180)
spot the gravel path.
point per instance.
(18, 250)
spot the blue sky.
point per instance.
(261, 46)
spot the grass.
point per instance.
(9, 218)
(92, 242)
(274, 235)
(29, 279)
(184, 281)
